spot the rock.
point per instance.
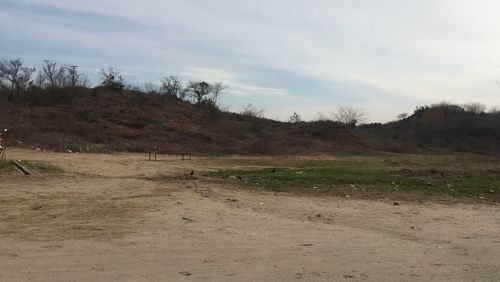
(492, 191)
(185, 273)
(396, 203)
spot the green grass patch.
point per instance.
(6, 166)
(428, 176)
(42, 168)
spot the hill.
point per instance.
(105, 119)
(446, 126)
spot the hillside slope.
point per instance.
(104, 120)
(445, 126)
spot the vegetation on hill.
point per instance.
(105, 119)
(461, 128)
(55, 108)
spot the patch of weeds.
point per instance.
(375, 178)
(42, 168)
(6, 166)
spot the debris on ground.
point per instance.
(185, 273)
(306, 245)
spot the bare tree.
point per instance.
(75, 78)
(475, 108)
(14, 78)
(218, 89)
(172, 86)
(295, 118)
(54, 74)
(39, 80)
(199, 90)
(350, 115)
(252, 110)
(112, 78)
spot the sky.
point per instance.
(387, 56)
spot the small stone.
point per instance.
(185, 273)
(492, 191)
(396, 203)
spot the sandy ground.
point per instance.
(120, 217)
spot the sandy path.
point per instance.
(104, 220)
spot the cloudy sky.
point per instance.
(387, 56)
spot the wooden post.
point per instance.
(2, 155)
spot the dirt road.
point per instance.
(120, 217)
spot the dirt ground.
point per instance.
(120, 217)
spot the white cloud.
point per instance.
(399, 52)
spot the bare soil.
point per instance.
(121, 217)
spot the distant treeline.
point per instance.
(16, 79)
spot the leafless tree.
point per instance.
(172, 86)
(475, 108)
(218, 89)
(14, 78)
(74, 78)
(112, 78)
(39, 80)
(199, 90)
(350, 115)
(54, 74)
(252, 110)
(295, 118)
